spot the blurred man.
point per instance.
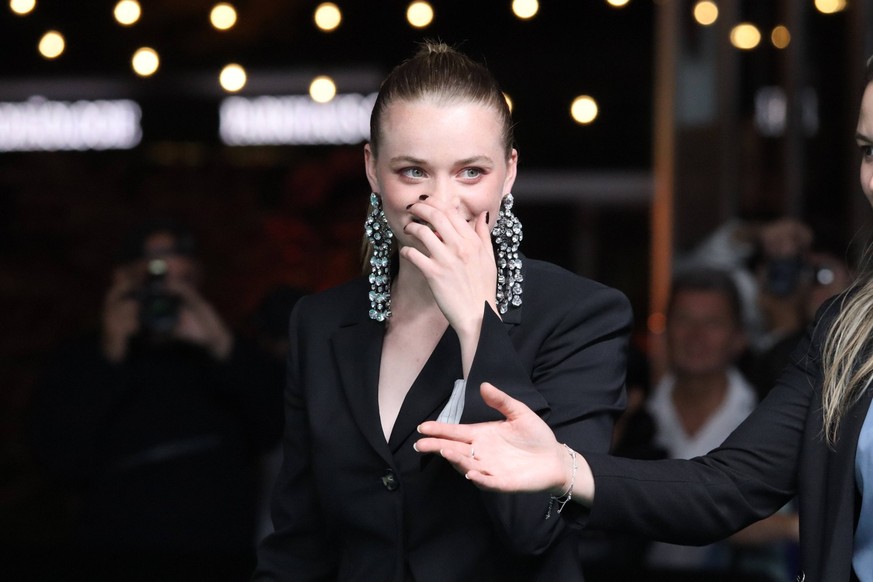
(702, 398)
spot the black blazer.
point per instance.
(350, 506)
(776, 453)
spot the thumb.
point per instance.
(502, 402)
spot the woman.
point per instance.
(811, 437)
(372, 359)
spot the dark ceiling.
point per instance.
(569, 48)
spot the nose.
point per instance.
(446, 193)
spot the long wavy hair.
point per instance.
(847, 354)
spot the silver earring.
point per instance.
(507, 236)
(379, 234)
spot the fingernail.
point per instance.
(415, 447)
(467, 476)
(488, 217)
(423, 197)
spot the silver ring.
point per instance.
(472, 453)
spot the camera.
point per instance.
(784, 274)
(158, 309)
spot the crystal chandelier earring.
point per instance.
(507, 237)
(380, 236)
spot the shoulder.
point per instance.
(547, 285)
(345, 303)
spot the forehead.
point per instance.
(427, 123)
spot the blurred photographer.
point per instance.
(154, 296)
(156, 425)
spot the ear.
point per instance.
(511, 169)
(370, 168)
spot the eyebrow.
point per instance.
(464, 162)
(863, 138)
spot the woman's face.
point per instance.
(451, 153)
(864, 137)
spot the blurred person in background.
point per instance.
(156, 424)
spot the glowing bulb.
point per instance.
(327, 16)
(127, 12)
(617, 3)
(745, 36)
(22, 7)
(51, 45)
(223, 16)
(232, 78)
(780, 37)
(145, 61)
(508, 101)
(525, 9)
(830, 6)
(419, 14)
(584, 109)
(705, 12)
(322, 89)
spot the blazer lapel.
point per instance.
(431, 389)
(357, 350)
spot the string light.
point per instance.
(127, 12)
(508, 101)
(705, 12)
(145, 62)
(780, 37)
(232, 78)
(322, 89)
(525, 9)
(745, 36)
(223, 16)
(584, 109)
(830, 6)
(52, 44)
(327, 16)
(419, 14)
(22, 7)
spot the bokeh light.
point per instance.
(127, 12)
(584, 109)
(322, 89)
(232, 78)
(52, 44)
(327, 16)
(419, 14)
(145, 61)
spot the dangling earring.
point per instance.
(507, 236)
(379, 234)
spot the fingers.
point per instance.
(502, 402)
(451, 432)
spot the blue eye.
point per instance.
(471, 173)
(412, 172)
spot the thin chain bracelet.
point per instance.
(566, 497)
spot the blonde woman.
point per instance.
(448, 301)
(811, 437)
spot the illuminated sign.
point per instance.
(42, 125)
(295, 120)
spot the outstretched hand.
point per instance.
(519, 454)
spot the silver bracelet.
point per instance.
(568, 495)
